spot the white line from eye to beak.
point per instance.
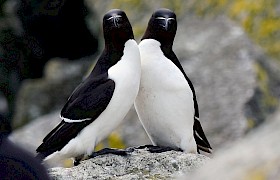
(165, 18)
(166, 21)
(114, 16)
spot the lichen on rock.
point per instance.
(140, 164)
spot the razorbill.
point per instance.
(166, 103)
(101, 101)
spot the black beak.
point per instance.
(166, 23)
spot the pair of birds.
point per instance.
(148, 75)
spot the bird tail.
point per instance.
(200, 138)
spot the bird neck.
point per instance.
(109, 57)
(114, 46)
(115, 40)
(165, 39)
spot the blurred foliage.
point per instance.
(262, 76)
(131, 7)
(259, 18)
(1, 7)
(135, 8)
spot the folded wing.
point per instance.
(85, 104)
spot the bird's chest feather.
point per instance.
(164, 91)
(159, 72)
(127, 71)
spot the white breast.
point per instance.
(165, 101)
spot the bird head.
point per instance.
(116, 27)
(162, 26)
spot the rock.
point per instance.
(266, 94)
(257, 156)
(30, 136)
(140, 164)
(219, 59)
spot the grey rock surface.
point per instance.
(31, 135)
(257, 156)
(219, 59)
(140, 164)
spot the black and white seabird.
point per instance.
(166, 103)
(101, 101)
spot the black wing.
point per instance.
(89, 99)
(59, 137)
(85, 104)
